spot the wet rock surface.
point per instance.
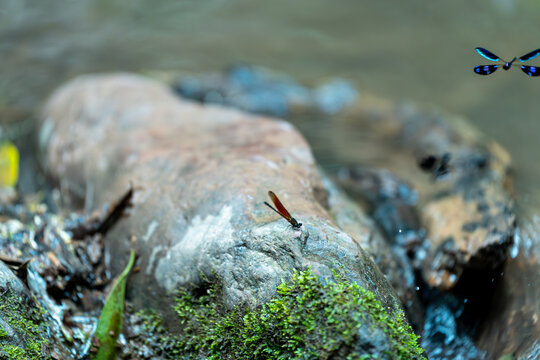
(460, 227)
(443, 339)
(202, 174)
(8, 280)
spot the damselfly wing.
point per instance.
(530, 55)
(487, 54)
(530, 70)
(282, 211)
(485, 69)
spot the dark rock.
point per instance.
(512, 325)
(440, 324)
(391, 202)
(203, 174)
(442, 337)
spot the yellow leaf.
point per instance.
(9, 164)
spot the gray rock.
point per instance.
(10, 284)
(9, 281)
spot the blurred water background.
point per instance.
(415, 50)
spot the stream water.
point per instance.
(416, 50)
(400, 50)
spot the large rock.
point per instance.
(202, 174)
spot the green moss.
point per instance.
(306, 320)
(3, 332)
(26, 320)
(14, 352)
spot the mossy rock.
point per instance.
(23, 332)
(308, 319)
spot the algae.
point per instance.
(26, 319)
(308, 319)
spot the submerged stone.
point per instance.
(262, 91)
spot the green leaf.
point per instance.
(110, 322)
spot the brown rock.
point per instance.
(204, 173)
(466, 210)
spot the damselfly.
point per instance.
(489, 69)
(282, 211)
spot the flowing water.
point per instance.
(402, 50)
